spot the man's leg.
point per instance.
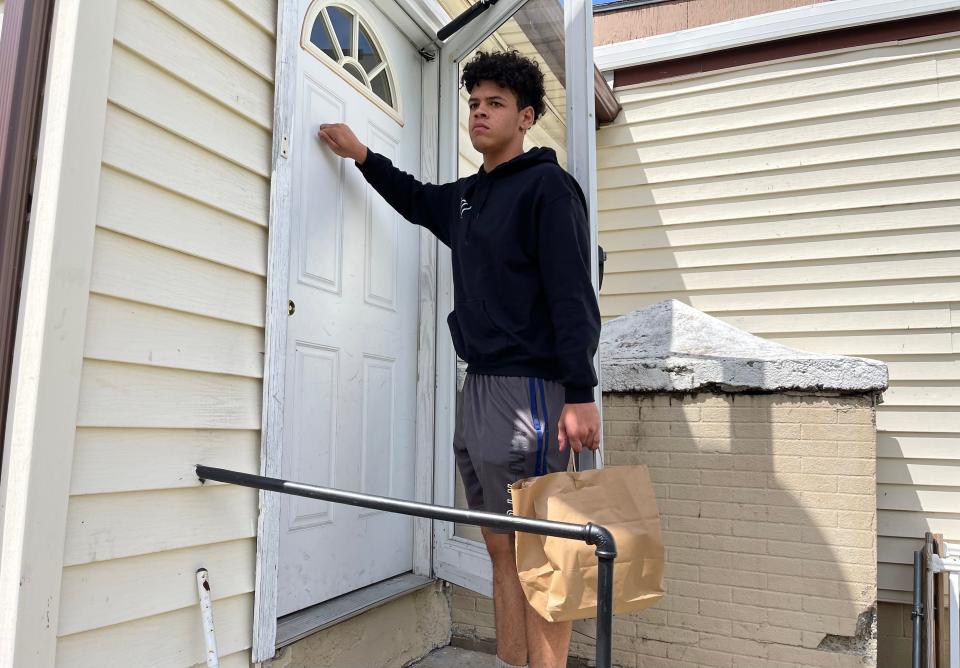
(509, 603)
(508, 599)
(547, 642)
(522, 634)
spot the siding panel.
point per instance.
(136, 271)
(138, 147)
(261, 12)
(144, 211)
(101, 527)
(125, 395)
(174, 344)
(123, 590)
(170, 45)
(813, 202)
(124, 331)
(147, 91)
(220, 23)
(112, 460)
(161, 641)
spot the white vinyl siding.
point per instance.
(814, 202)
(174, 342)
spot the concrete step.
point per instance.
(450, 657)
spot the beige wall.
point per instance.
(813, 202)
(389, 636)
(895, 630)
(173, 352)
(767, 510)
(644, 21)
(172, 368)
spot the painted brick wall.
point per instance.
(768, 514)
(895, 630)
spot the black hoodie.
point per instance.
(523, 301)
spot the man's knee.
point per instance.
(499, 545)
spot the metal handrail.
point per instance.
(591, 534)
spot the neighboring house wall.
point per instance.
(813, 202)
(174, 342)
(662, 17)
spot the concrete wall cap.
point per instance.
(672, 347)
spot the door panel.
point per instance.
(350, 396)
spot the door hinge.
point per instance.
(284, 146)
(428, 55)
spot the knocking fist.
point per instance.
(341, 140)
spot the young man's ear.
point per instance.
(527, 118)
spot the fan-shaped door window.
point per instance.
(340, 38)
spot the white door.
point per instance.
(351, 360)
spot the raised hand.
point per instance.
(341, 140)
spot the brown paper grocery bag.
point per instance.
(559, 575)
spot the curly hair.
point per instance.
(511, 70)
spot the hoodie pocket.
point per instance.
(456, 336)
(476, 337)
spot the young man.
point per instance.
(525, 315)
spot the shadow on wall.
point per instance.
(766, 489)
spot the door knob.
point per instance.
(291, 307)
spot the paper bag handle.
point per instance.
(576, 459)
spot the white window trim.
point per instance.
(394, 111)
(834, 15)
(420, 20)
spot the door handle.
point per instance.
(291, 307)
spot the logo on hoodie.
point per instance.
(464, 207)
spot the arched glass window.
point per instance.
(338, 36)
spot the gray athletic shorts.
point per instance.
(506, 431)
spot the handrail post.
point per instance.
(606, 555)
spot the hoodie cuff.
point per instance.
(578, 395)
(372, 162)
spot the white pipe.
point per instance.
(206, 613)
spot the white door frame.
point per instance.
(436, 550)
(419, 20)
(458, 560)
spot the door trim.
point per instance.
(23, 54)
(48, 358)
(298, 625)
(419, 20)
(463, 562)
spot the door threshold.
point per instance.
(300, 624)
